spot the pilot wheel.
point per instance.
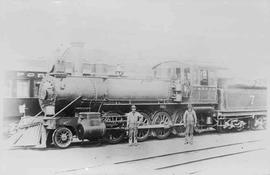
(62, 137)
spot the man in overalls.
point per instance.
(133, 119)
(190, 121)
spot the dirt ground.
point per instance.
(89, 158)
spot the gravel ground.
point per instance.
(88, 158)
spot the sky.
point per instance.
(233, 33)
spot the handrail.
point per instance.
(38, 113)
(66, 106)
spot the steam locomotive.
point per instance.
(90, 106)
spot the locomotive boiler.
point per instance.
(56, 92)
(93, 106)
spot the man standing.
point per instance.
(190, 121)
(133, 119)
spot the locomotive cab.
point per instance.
(191, 83)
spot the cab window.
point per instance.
(169, 72)
(204, 77)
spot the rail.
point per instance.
(184, 152)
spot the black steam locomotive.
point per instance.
(90, 105)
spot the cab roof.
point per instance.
(188, 63)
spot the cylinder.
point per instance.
(90, 125)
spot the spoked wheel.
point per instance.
(178, 119)
(114, 136)
(111, 119)
(240, 126)
(162, 118)
(258, 123)
(62, 137)
(143, 134)
(240, 129)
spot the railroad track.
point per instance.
(167, 161)
(208, 158)
(193, 156)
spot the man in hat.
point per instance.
(133, 119)
(190, 121)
